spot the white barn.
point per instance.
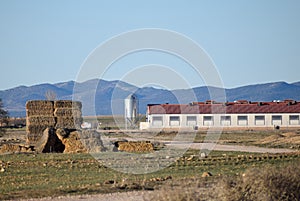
(238, 114)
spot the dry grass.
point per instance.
(256, 184)
(265, 184)
(284, 139)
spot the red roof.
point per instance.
(288, 106)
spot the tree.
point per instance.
(3, 118)
(50, 95)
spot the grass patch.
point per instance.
(40, 175)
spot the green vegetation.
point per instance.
(39, 175)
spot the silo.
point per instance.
(131, 110)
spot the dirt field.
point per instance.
(33, 176)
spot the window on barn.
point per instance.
(208, 120)
(191, 120)
(174, 121)
(225, 120)
(157, 121)
(242, 120)
(294, 120)
(259, 120)
(276, 120)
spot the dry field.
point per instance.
(222, 174)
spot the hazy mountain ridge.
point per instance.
(109, 95)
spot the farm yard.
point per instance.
(226, 174)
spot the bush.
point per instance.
(268, 183)
(3, 119)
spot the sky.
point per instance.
(249, 42)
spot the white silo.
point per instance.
(131, 110)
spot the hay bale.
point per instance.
(73, 143)
(49, 142)
(67, 104)
(34, 132)
(35, 129)
(9, 148)
(139, 146)
(33, 138)
(67, 112)
(39, 112)
(39, 104)
(62, 133)
(15, 148)
(41, 120)
(68, 122)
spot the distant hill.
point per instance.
(108, 96)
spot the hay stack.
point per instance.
(68, 122)
(139, 146)
(42, 114)
(39, 104)
(39, 116)
(67, 104)
(68, 114)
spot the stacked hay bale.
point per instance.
(137, 146)
(68, 114)
(42, 114)
(39, 116)
(54, 126)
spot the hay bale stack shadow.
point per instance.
(49, 142)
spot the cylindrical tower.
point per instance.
(131, 110)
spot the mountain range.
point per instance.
(101, 97)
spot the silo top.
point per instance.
(132, 97)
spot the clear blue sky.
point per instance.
(249, 41)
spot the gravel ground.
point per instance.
(221, 147)
(124, 196)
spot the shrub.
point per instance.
(268, 183)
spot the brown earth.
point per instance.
(291, 139)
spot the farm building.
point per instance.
(241, 114)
